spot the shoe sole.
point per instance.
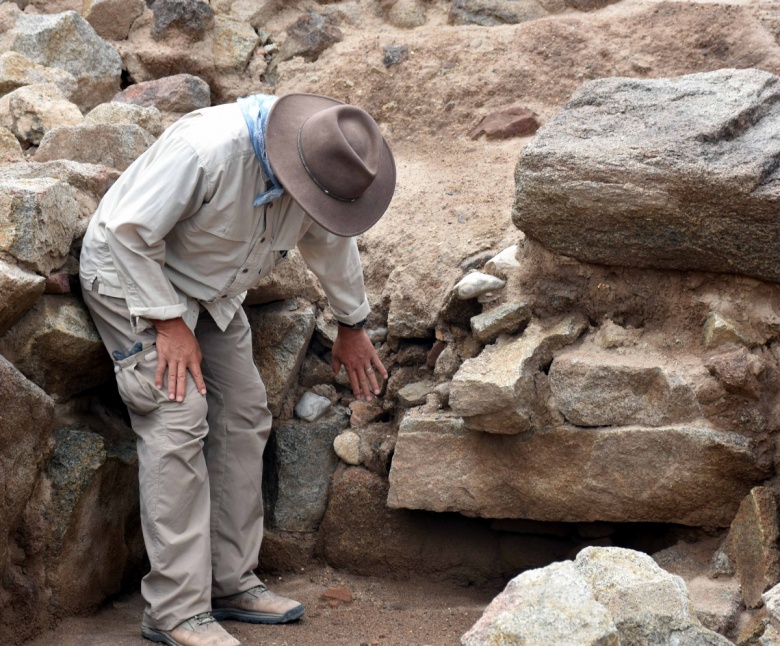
(158, 636)
(236, 614)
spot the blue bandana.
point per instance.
(255, 110)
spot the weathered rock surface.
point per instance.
(234, 44)
(405, 14)
(620, 177)
(488, 13)
(17, 71)
(38, 218)
(117, 114)
(680, 474)
(308, 37)
(510, 122)
(290, 279)
(347, 447)
(112, 19)
(57, 347)
(194, 18)
(311, 407)
(300, 471)
(68, 42)
(10, 148)
(116, 146)
(508, 318)
(280, 337)
(498, 392)
(611, 389)
(19, 291)
(552, 605)
(31, 111)
(178, 94)
(752, 544)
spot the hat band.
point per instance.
(327, 192)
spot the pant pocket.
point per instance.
(135, 381)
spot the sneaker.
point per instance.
(200, 630)
(257, 605)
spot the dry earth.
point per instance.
(453, 201)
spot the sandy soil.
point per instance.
(382, 613)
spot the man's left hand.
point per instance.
(354, 350)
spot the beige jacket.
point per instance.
(179, 231)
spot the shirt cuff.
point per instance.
(141, 317)
(358, 315)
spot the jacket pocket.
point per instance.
(135, 381)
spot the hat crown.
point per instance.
(340, 148)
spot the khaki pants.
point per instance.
(200, 464)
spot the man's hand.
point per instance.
(354, 350)
(177, 352)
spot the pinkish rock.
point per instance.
(510, 122)
(180, 93)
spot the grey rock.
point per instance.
(414, 394)
(683, 474)
(119, 114)
(17, 71)
(307, 37)
(178, 94)
(280, 338)
(112, 19)
(611, 389)
(57, 347)
(447, 364)
(489, 13)
(477, 284)
(394, 54)
(588, 5)
(530, 611)
(38, 220)
(33, 110)
(116, 146)
(255, 12)
(620, 176)
(194, 18)
(311, 407)
(289, 279)
(234, 44)
(301, 468)
(509, 318)
(19, 291)
(497, 391)
(771, 599)
(69, 42)
(770, 637)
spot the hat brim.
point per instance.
(346, 219)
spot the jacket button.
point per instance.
(243, 271)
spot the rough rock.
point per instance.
(498, 392)
(90, 545)
(117, 114)
(611, 389)
(510, 122)
(447, 363)
(301, 468)
(10, 149)
(738, 371)
(311, 407)
(771, 637)
(509, 318)
(488, 13)
(112, 19)
(193, 18)
(234, 44)
(280, 337)
(19, 291)
(255, 12)
(545, 607)
(17, 71)
(178, 94)
(38, 218)
(69, 42)
(363, 412)
(25, 425)
(721, 330)
(477, 284)
(647, 604)
(405, 14)
(290, 279)
(307, 37)
(771, 599)
(31, 111)
(596, 152)
(588, 5)
(57, 347)
(680, 474)
(347, 447)
(116, 146)
(414, 394)
(394, 54)
(752, 544)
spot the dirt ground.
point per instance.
(415, 612)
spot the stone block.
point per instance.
(235, 43)
(19, 291)
(497, 392)
(178, 94)
(622, 389)
(112, 19)
(18, 71)
(33, 110)
(193, 18)
(509, 318)
(686, 474)
(510, 122)
(119, 114)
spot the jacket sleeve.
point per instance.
(336, 263)
(171, 188)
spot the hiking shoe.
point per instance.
(257, 605)
(200, 630)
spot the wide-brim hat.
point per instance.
(332, 160)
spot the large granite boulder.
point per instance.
(31, 111)
(676, 173)
(112, 19)
(69, 42)
(178, 94)
(687, 474)
(19, 291)
(17, 71)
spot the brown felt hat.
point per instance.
(332, 160)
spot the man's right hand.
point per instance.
(177, 352)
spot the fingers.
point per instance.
(197, 376)
(162, 364)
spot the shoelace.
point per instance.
(204, 618)
(258, 590)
